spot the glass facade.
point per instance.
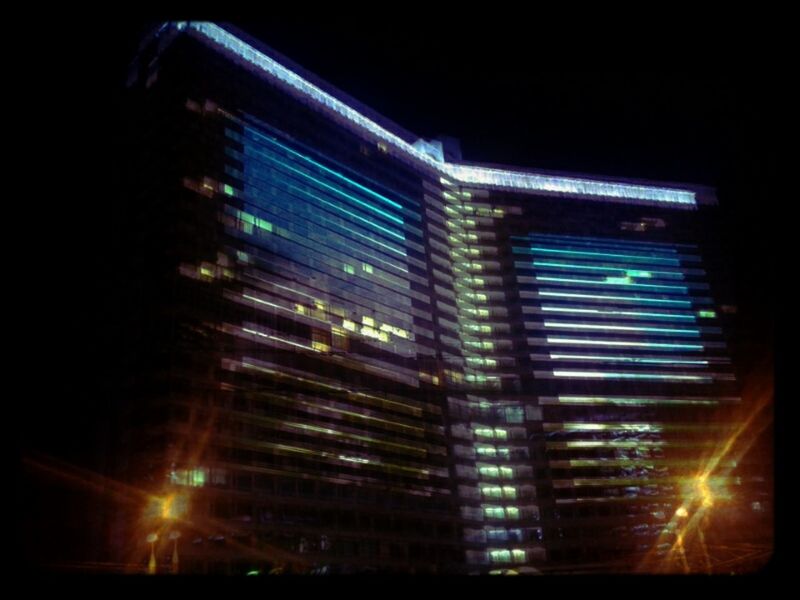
(371, 359)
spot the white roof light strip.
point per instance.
(463, 173)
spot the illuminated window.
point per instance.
(191, 477)
(489, 471)
(366, 267)
(500, 556)
(494, 512)
(492, 492)
(228, 189)
(349, 269)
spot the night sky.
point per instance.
(683, 103)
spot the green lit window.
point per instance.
(707, 314)
(228, 189)
(506, 472)
(190, 477)
(484, 432)
(509, 492)
(500, 556)
(512, 512)
(489, 471)
(518, 555)
(366, 267)
(349, 269)
(492, 491)
(489, 451)
(501, 434)
(494, 512)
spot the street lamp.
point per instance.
(151, 566)
(174, 535)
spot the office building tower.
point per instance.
(352, 351)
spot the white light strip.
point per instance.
(624, 375)
(553, 340)
(463, 173)
(605, 326)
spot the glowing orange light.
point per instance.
(705, 494)
(166, 506)
(682, 512)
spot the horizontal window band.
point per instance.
(592, 268)
(676, 361)
(558, 238)
(607, 313)
(583, 463)
(653, 427)
(613, 327)
(628, 375)
(638, 400)
(609, 299)
(612, 482)
(631, 444)
(609, 282)
(616, 256)
(616, 343)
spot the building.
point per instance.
(352, 351)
